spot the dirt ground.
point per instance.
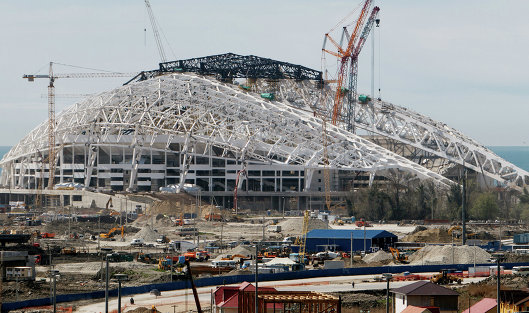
(81, 273)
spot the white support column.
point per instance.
(309, 173)
(92, 156)
(371, 178)
(12, 175)
(184, 167)
(136, 156)
(20, 181)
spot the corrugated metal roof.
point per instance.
(346, 233)
(483, 306)
(425, 288)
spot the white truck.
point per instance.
(137, 242)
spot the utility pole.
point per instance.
(257, 279)
(464, 208)
(351, 252)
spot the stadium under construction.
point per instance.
(244, 126)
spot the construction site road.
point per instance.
(182, 300)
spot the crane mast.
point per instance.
(154, 26)
(348, 59)
(51, 113)
(51, 129)
(348, 56)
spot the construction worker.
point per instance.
(131, 300)
(353, 283)
(153, 309)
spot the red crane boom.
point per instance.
(348, 59)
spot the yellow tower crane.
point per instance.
(303, 244)
(51, 109)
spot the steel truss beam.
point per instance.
(229, 65)
(219, 115)
(422, 132)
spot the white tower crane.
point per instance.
(51, 109)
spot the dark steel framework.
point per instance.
(228, 66)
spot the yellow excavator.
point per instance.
(111, 232)
(397, 256)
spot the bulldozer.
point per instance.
(444, 278)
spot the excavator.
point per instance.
(111, 232)
(397, 256)
(457, 231)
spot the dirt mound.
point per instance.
(379, 256)
(429, 235)
(142, 310)
(359, 300)
(242, 250)
(294, 226)
(147, 233)
(430, 255)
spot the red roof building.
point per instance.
(485, 305)
(226, 298)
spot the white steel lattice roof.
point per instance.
(204, 110)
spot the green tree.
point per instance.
(454, 201)
(485, 207)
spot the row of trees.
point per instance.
(401, 197)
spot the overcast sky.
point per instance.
(461, 62)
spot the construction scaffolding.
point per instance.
(288, 302)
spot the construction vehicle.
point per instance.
(236, 256)
(162, 239)
(47, 235)
(112, 232)
(213, 217)
(69, 251)
(445, 278)
(456, 231)
(146, 258)
(120, 257)
(199, 256)
(397, 256)
(362, 223)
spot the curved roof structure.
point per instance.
(204, 110)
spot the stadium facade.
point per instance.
(219, 123)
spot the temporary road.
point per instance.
(182, 300)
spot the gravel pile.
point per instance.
(294, 226)
(240, 249)
(379, 256)
(448, 254)
(148, 234)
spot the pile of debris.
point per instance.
(294, 226)
(148, 234)
(448, 254)
(429, 235)
(379, 256)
